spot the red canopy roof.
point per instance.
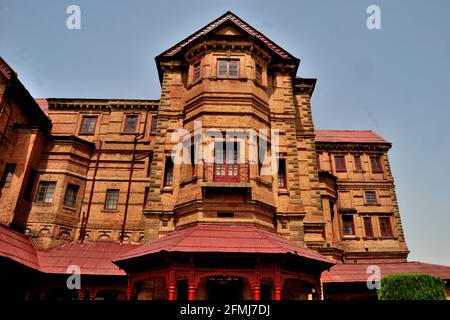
(17, 247)
(352, 136)
(93, 258)
(358, 272)
(225, 238)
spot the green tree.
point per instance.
(404, 286)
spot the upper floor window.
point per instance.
(131, 121)
(46, 191)
(340, 163)
(348, 226)
(7, 175)
(112, 199)
(197, 72)
(146, 193)
(88, 124)
(385, 227)
(154, 125)
(70, 198)
(282, 181)
(368, 229)
(168, 172)
(375, 162)
(318, 161)
(258, 73)
(371, 197)
(358, 164)
(27, 195)
(227, 68)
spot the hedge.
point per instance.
(404, 286)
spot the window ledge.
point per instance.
(226, 78)
(189, 180)
(259, 84)
(129, 133)
(194, 83)
(86, 133)
(167, 190)
(283, 191)
(350, 238)
(69, 208)
(371, 238)
(110, 210)
(43, 204)
(388, 238)
(372, 204)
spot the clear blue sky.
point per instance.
(395, 80)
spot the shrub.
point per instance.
(412, 287)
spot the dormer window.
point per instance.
(227, 68)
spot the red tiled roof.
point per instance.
(352, 136)
(17, 247)
(43, 104)
(225, 238)
(94, 258)
(228, 16)
(358, 272)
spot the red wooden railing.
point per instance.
(226, 172)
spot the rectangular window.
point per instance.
(376, 164)
(227, 68)
(46, 191)
(168, 172)
(371, 197)
(385, 227)
(112, 199)
(258, 73)
(27, 195)
(149, 165)
(70, 198)
(282, 183)
(348, 227)
(88, 124)
(340, 163)
(7, 175)
(154, 125)
(358, 165)
(368, 227)
(146, 192)
(318, 161)
(131, 122)
(197, 72)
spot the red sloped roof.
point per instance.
(94, 258)
(18, 247)
(225, 238)
(352, 136)
(43, 104)
(358, 272)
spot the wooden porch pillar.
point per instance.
(256, 292)
(172, 289)
(277, 292)
(191, 292)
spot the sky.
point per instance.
(394, 80)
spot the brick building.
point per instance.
(94, 183)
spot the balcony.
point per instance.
(226, 174)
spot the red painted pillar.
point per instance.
(191, 292)
(171, 289)
(256, 293)
(277, 293)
